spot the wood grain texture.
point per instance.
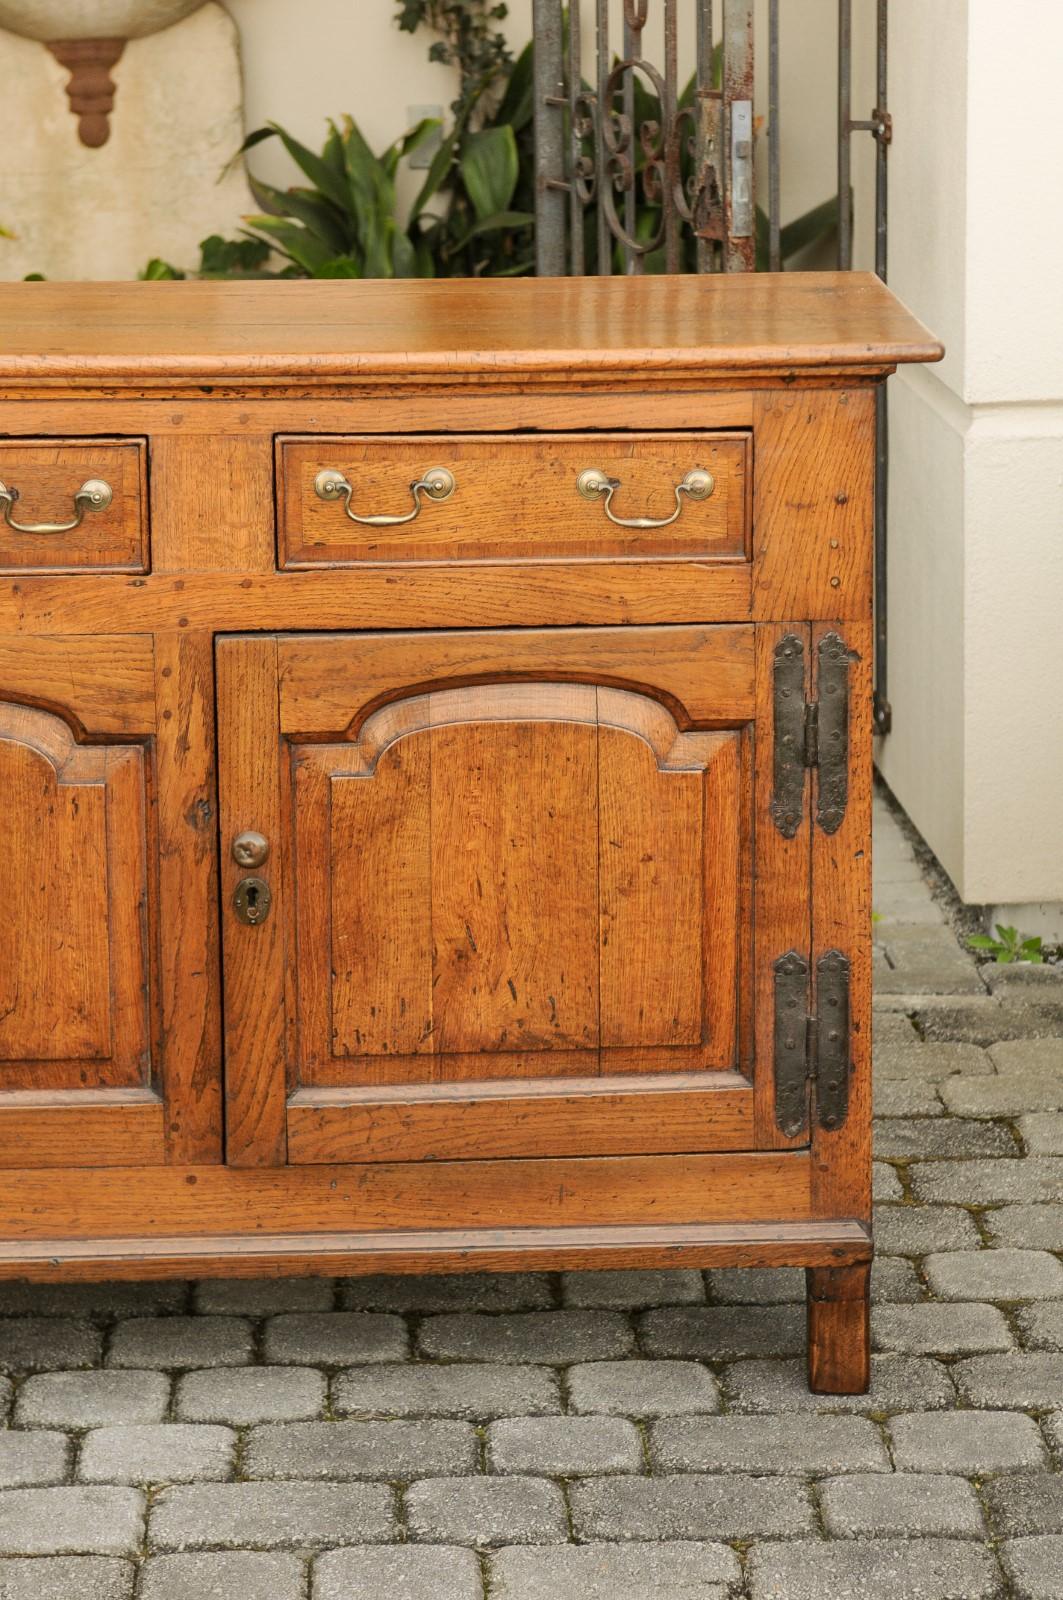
(255, 957)
(47, 475)
(212, 502)
(812, 504)
(97, 684)
(72, 1128)
(839, 1329)
(571, 1191)
(514, 497)
(841, 920)
(189, 971)
(581, 1116)
(766, 1244)
(703, 675)
(781, 889)
(412, 331)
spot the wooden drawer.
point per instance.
(47, 474)
(513, 497)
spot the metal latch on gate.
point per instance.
(811, 1047)
(810, 733)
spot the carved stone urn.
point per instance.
(87, 37)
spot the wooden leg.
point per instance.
(839, 1329)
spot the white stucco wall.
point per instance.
(976, 521)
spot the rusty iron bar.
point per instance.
(700, 198)
(551, 254)
(883, 711)
(774, 143)
(845, 128)
(740, 245)
(575, 125)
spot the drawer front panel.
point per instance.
(53, 484)
(514, 497)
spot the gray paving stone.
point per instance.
(905, 1097)
(1008, 1094)
(986, 1020)
(1035, 1567)
(689, 1507)
(788, 1444)
(1041, 1326)
(1017, 977)
(92, 1399)
(676, 1571)
(68, 1578)
(475, 1391)
(564, 1447)
(485, 1511)
(895, 1280)
(931, 1062)
(241, 1395)
(941, 1138)
(263, 1297)
(903, 1505)
(971, 1442)
(1042, 1133)
(995, 1275)
(643, 1388)
(43, 1344)
(412, 1572)
(181, 1342)
(271, 1516)
(32, 1460)
(987, 1183)
(170, 1452)
(465, 1291)
(897, 1384)
(627, 1290)
(7, 1390)
(1052, 1428)
(1034, 1227)
(102, 1300)
(224, 1575)
(757, 1286)
(885, 1184)
(874, 1569)
(348, 1450)
(73, 1521)
(1027, 1055)
(905, 902)
(918, 1230)
(335, 1338)
(943, 1330)
(1025, 1502)
(893, 1029)
(1027, 1379)
(553, 1336)
(711, 1332)
(926, 960)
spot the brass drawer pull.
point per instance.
(94, 495)
(697, 485)
(437, 484)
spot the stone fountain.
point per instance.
(156, 95)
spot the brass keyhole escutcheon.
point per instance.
(251, 901)
(250, 849)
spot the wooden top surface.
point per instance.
(163, 335)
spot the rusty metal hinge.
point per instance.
(811, 1047)
(811, 733)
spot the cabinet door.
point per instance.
(509, 890)
(83, 958)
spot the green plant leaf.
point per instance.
(1008, 936)
(338, 267)
(296, 243)
(490, 168)
(159, 271)
(505, 221)
(310, 208)
(982, 941)
(320, 171)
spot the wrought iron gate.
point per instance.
(634, 173)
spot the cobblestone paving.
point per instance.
(612, 1436)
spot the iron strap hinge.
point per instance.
(810, 733)
(812, 1045)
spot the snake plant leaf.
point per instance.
(320, 170)
(295, 242)
(308, 207)
(490, 167)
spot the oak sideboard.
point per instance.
(435, 760)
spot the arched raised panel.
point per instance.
(511, 871)
(74, 976)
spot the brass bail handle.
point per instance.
(437, 483)
(94, 495)
(592, 482)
